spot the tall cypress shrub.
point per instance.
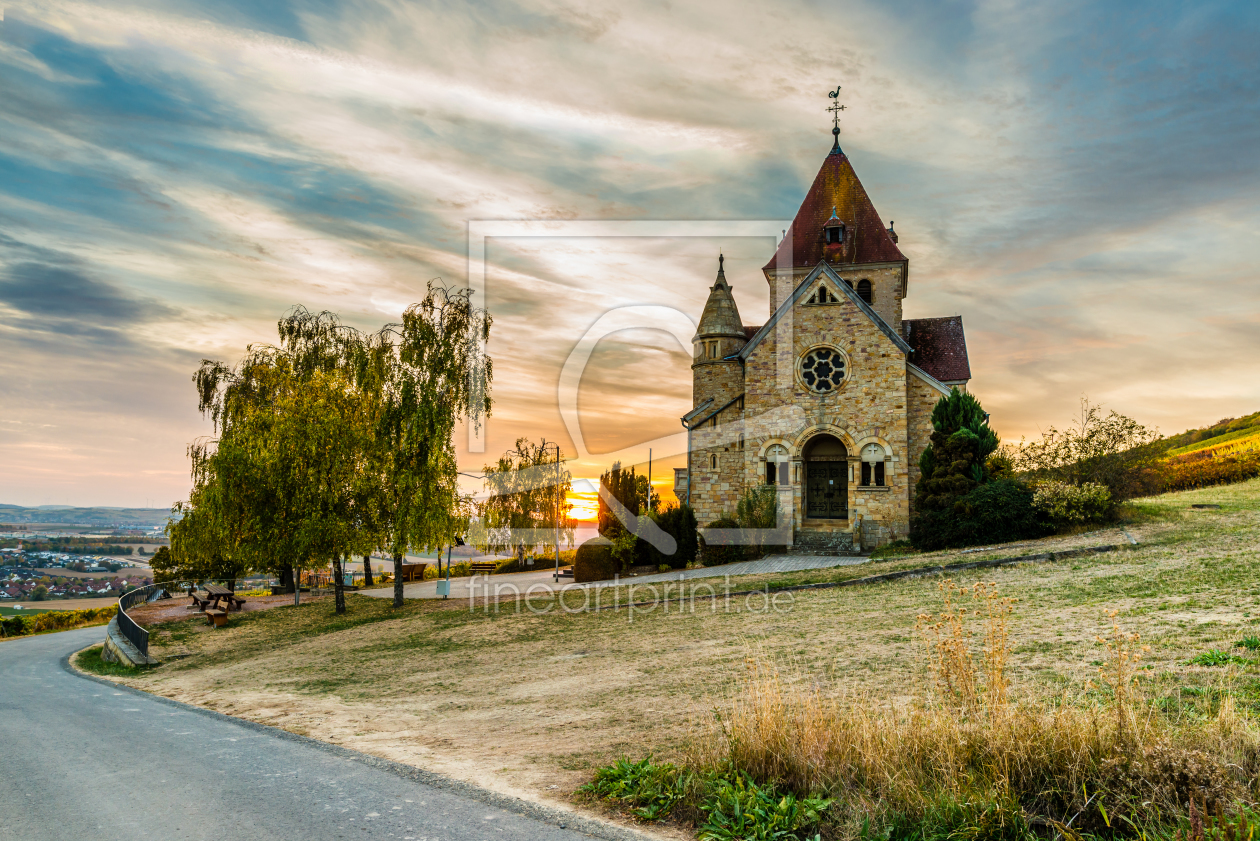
(953, 464)
(957, 500)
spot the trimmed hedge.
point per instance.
(996, 512)
(594, 561)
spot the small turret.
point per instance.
(721, 317)
(719, 337)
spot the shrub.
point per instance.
(1205, 468)
(758, 509)
(1065, 505)
(996, 512)
(653, 789)
(1114, 450)
(736, 809)
(594, 561)
(55, 620)
(679, 522)
(718, 549)
(954, 463)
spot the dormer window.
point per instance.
(834, 229)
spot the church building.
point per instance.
(831, 398)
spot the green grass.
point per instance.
(90, 660)
(25, 611)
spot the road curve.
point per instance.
(81, 759)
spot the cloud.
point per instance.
(48, 291)
(1074, 179)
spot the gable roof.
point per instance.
(940, 347)
(836, 189)
(802, 288)
(928, 378)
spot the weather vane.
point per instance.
(835, 110)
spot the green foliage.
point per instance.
(736, 808)
(966, 818)
(1112, 450)
(335, 443)
(631, 491)
(1251, 643)
(718, 549)
(679, 522)
(757, 509)
(1064, 505)
(733, 806)
(1216, 657)
(594, 561)
(625, 549)
(954, 463)
(996, 512)
(91, 661)
(39, 594)
(653, 790)
(528, 493)
(55, 620)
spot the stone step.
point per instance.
(823, 543)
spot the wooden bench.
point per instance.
(413, 572)
(483, 567)
(216, 617)
(198, 602)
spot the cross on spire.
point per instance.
(835, 110)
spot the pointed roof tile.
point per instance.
(836, 191)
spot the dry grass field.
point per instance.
(530, 702)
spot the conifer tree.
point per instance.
(954, 463)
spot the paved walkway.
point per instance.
(106, 762)
(543, 581)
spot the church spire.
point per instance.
(721, 315)
(835, 110)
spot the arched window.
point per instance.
(865, 292)
(741, 440)
(822, 296)
(713, 461)
(777, 465)
(873, 466)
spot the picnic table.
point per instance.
(217, 598)
(223, 598)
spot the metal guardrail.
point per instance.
(138, 636)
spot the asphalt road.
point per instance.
(82, 760)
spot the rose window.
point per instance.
(822, 369)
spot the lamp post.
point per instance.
(558, 503)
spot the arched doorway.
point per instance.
(826, 479)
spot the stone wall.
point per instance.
(715, 492)
(869, 407)
(921, 398)
(887, 285)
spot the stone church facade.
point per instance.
(830, 399)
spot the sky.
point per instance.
(1078, 180)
